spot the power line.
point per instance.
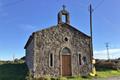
(99, 4)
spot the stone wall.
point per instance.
(30, 56)
(52, 40)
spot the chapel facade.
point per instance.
(61, 50)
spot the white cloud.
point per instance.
(102, 54)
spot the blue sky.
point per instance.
(19, 18)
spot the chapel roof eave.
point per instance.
(29, 40)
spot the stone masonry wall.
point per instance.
(52, 40)
(30, 56)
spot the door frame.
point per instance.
(68, 57)
(61, 60)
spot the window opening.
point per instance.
(51, 60)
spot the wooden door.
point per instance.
(66, 65)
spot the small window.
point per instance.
(51, 60)
(84, 60)
(79, 58)
(66, 39)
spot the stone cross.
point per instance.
(64, 7)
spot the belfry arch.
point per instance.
(63, 13)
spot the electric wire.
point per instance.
(99, 4)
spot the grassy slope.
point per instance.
(18, 71)
(13, 71)
(108, 73)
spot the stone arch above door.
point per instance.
(66, 51)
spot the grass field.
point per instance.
(13, 71)
(104, 73)
(18, 71)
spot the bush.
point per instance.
(107, 64)
(29, 76)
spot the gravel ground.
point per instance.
(110, 78)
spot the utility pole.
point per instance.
(107, 47)
(91, 35)
(93, 70)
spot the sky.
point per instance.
(19, 18)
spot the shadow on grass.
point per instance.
(13, 71)
(103, 69)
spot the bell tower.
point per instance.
(63, 13)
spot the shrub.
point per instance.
(105, 64)
(29, 76)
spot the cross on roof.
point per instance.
(64, 7)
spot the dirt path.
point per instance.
(110, 78)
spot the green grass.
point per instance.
(80, 78)
(18, 71)
(13, 71)
(108, 73)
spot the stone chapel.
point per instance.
(60, 50)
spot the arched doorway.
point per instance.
(66, 62)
